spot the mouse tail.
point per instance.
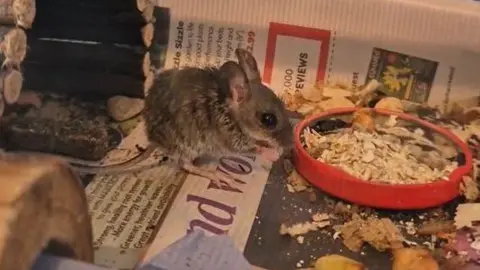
(92, 167)
(125, 166)
(118, 168)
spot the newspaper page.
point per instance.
(422, 51)
(126, 208)
(202, 205)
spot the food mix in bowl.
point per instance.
(382, 149)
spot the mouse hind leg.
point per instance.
(209, 171)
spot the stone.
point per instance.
(122, 108)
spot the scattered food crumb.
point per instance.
(382, 234)
(300, 239)
(312, 196)
(434, 227)
(319, 221)
(469, 189)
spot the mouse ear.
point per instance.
(237, 81)
(248, 64)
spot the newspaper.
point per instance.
(201, 205)
(423, 51)
(126, 208)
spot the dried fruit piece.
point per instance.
(363, 120)
(337, 262)
(413, 259)
(390, 103)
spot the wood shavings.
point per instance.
(318, 217)
(293, 101)
(472, 114)
(313, 94)
(435, 227)
(367, 93)
(463, 114)
(376, 157)
(467, 214)
(390, 103)
(319, 221)
(469, 189)
(350, 233)
(335, 102)
(296, 182)
(325, 97)
(336, 91)
(381, 234)
(476, 166)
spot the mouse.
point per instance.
(196, 112)
(191, 113)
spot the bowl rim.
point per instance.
(456, 175)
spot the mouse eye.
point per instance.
(269, 120)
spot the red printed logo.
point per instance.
(295, 56)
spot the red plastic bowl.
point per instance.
(401, 197)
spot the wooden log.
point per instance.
(107, 34)
(147, 13)
(147, 34)
(77, 138)
(94, 57)
(17, 12)
(51, 16)
(105, 26)
(11, 82)
(147, 64)
(160, 37)
(80, 83)
(2, 106)
(13, 45)
(148, 82)
(143, 4)
(43, 207)
(82, 5)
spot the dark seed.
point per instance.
(460, 159)
(327, 125)
(115, 137)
